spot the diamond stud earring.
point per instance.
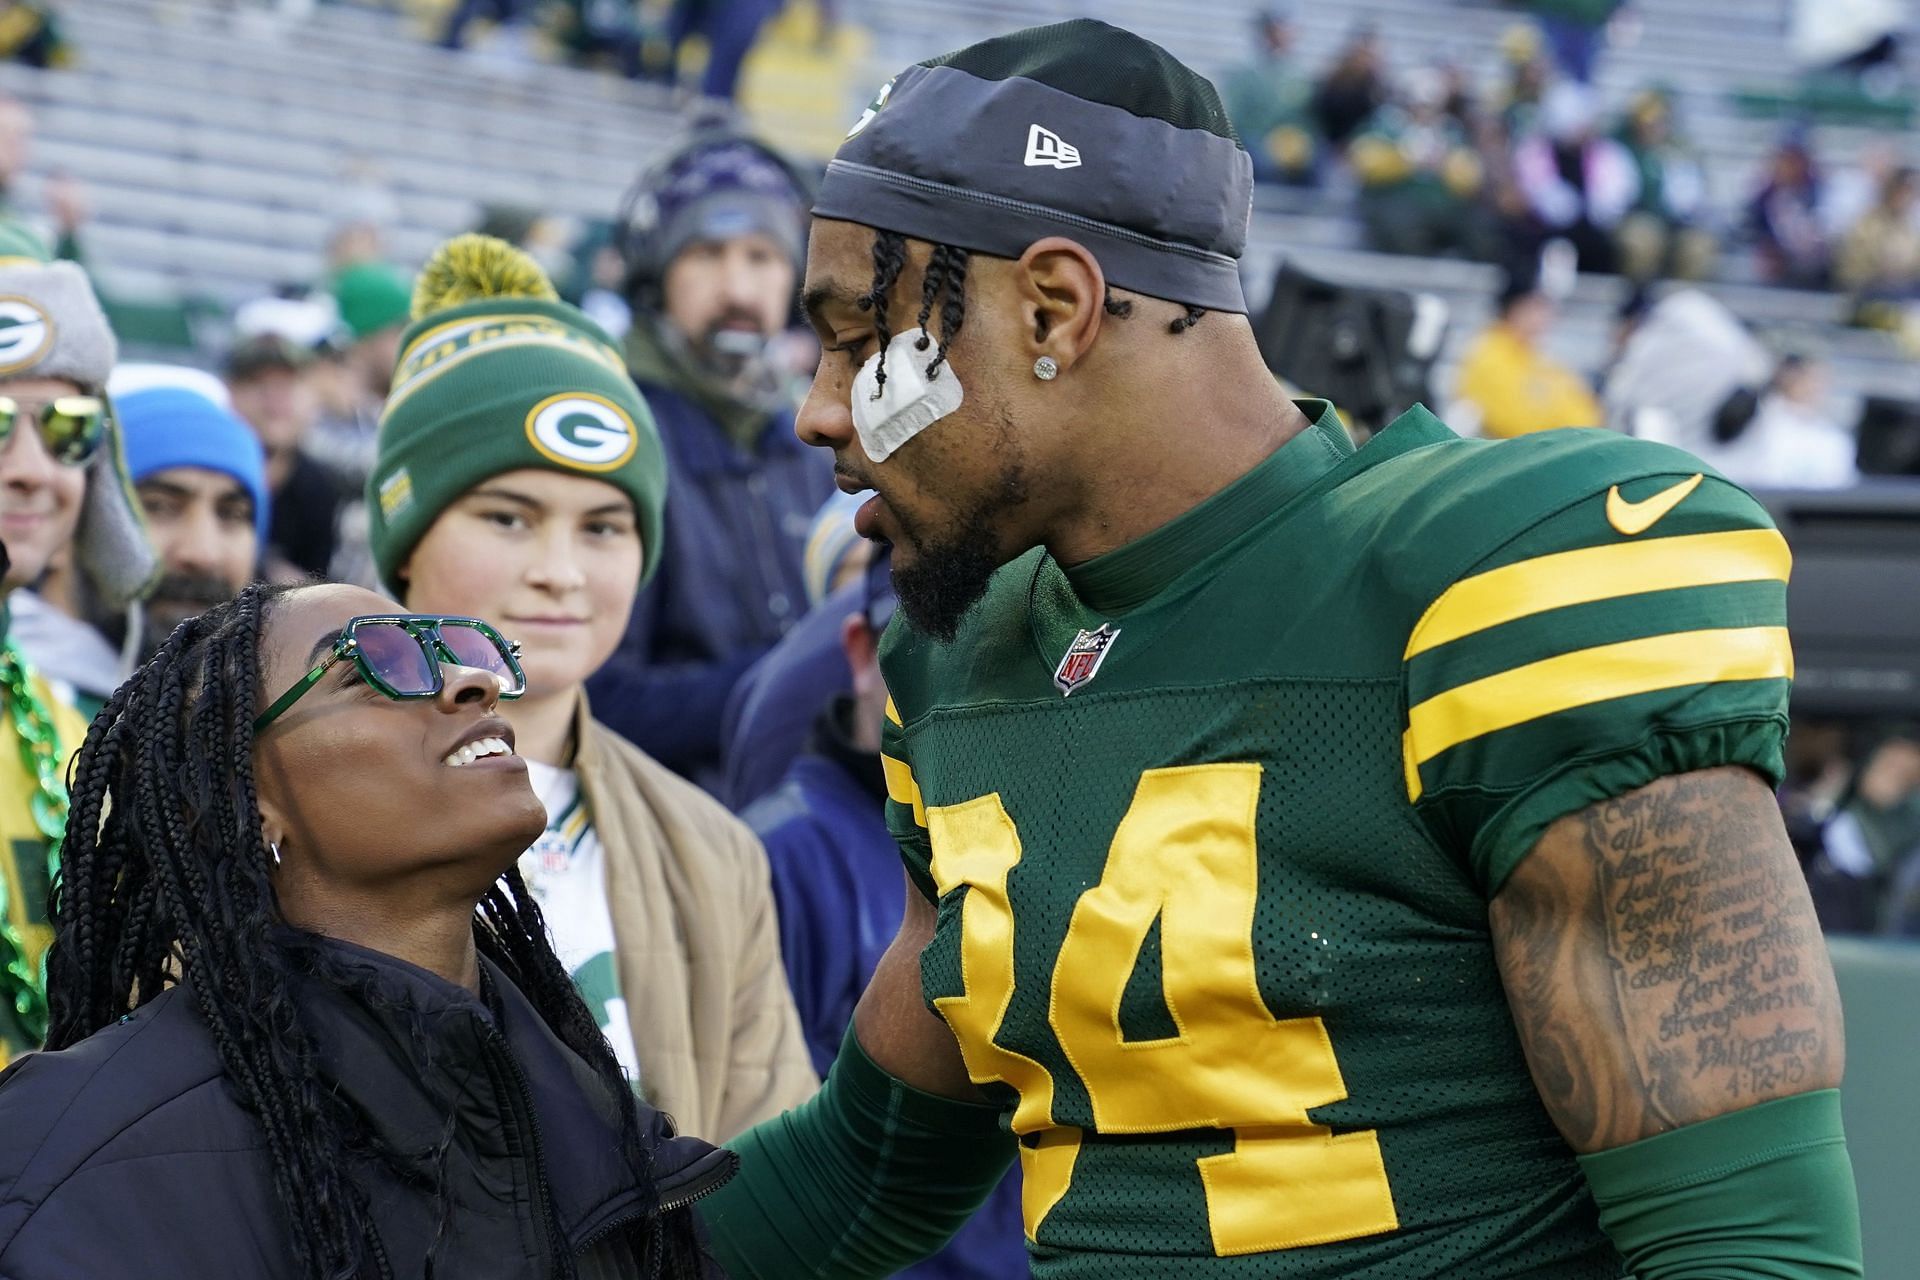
(1046, 369)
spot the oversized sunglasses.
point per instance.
(71, 427)
(400, 655)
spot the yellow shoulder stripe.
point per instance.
(1599, 573)
(902, 789)
(893, 714)
(1587, 676)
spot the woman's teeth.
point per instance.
(478, 751)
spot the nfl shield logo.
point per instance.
(1084, 656)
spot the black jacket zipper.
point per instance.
(498, 1043)
(698, 1188)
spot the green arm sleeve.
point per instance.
(864, 1178)
(1765, 1193)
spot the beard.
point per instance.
(948, 573)
(180, 596)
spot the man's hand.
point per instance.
(1663, 962)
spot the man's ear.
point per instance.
(1064, 294)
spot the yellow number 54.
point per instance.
(1185, 854)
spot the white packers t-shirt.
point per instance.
(567, 873)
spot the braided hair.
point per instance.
(944, 285)
(165, 879)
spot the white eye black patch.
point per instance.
(909, 403)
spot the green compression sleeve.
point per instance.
(864, 1178)
(1765, 1193)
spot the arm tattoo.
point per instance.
(1663, 961)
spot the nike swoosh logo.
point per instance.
(1630, 518)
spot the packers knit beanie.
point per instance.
(497, 374)
(51, 326)
(1078, 129)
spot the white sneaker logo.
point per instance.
(1047, 148)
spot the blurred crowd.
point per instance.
(747, 664)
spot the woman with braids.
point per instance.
(519, 477)
(305, 1019)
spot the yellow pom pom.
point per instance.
(471, 267)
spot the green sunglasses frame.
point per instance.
(11, 413)
(425, 630)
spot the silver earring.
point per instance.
(1046, 369)
(274, 849)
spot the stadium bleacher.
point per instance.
(218, 152)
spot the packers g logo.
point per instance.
(26, 334)
(873, 109)
(582, 432)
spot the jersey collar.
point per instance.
(1130, 575)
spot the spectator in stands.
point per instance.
(267, 378)
(715, 263)
(1665, 234)
(1680, 363)
(1879, 261)
(30, 33)
(61, 489)
(64, 199)
(1575, 30)
(505, 13)
(1784, 436)
(1874, 840)
(1270, 101)
(1578, 184)
(373, 299)
(1353, 89)
(837, 882)
(1784, 216)
(520, 478)
(1529, 73)
(201, 477)
(730, 27)
(1509, 384)
(773, 706)
(1420, 177)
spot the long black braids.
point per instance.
(165, 879)
(944, 285)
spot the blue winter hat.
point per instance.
(728, 187)
(168, 427)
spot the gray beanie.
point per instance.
(51, 326)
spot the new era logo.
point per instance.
(1045, 147)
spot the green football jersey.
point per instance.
(1212, 823)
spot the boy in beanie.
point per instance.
(201, 477)
(1285, 820)
(714, 248)
(520, 479)
(63, 492)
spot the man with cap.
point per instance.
(201, 477)
(714, 245)
(267, 376)
(1325, 862)
(63, 490)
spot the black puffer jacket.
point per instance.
(127, 1155)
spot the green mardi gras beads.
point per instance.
(23, 989)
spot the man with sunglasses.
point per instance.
(63, 489)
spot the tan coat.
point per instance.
(695, 941)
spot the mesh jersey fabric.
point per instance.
(1213, 928)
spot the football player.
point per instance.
(1326, 862)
